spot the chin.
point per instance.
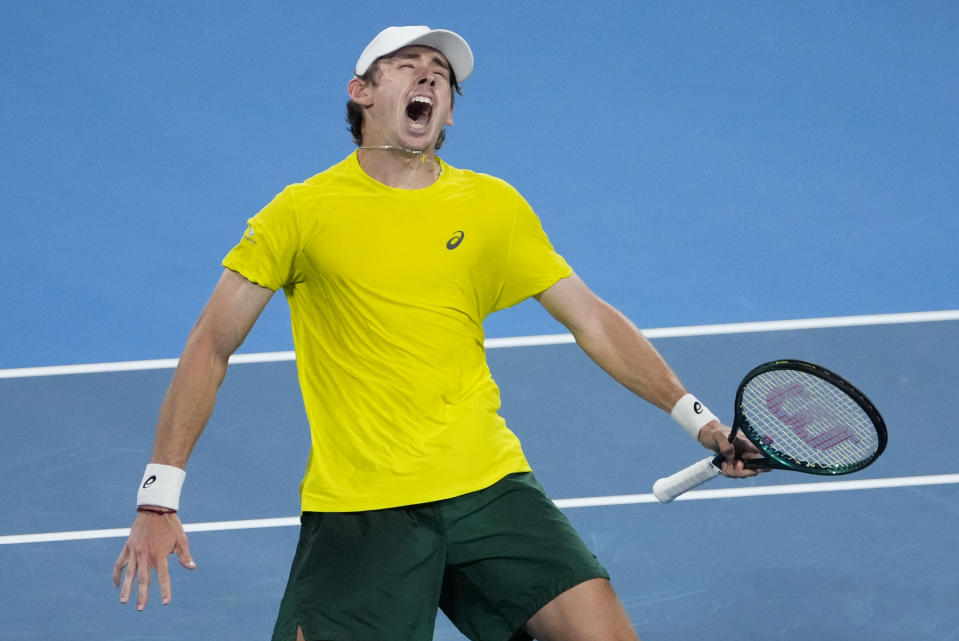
(419, 143)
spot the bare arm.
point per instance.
(616, 345)
(613, 342)
(229, 315)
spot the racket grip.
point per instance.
(668, 488)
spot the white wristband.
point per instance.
(691, 415)
(161, 486)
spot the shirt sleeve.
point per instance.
(532, 264)
(267, 253)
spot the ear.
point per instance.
(449, 119)
(359, 92)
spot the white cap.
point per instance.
(450, 44)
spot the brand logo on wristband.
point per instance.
(698, 407)
(150, 481)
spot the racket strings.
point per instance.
(808, 420)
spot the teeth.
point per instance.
(418, 110)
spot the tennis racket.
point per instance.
(801, 417)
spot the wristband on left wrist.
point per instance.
(691, 415)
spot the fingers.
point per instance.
(736, 452)
(163, 575)
(143, 585)
(128, 579)
(727, 449)
(151, 541)
(736, 469)
(118, 566)
(182, 550)
(139, 568)
(733, 467)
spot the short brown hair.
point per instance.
(354, 111)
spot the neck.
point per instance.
(399, 167)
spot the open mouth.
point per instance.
(419, 110)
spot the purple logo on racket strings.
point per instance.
(801, 413)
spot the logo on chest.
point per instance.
(455, 241)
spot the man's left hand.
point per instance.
(715, 436)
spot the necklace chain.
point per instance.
(412, 152)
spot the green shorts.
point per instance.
(489, 559)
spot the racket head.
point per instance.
(806, 418)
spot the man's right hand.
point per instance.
(153, 538)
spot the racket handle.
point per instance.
(668, 488)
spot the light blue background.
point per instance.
(696, 162)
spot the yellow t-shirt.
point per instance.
(388, 289)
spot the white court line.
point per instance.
(768, 490)
(526, 341)
(133, 366)
(593, 501)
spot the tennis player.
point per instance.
(416, 494)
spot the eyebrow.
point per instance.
(409, 55)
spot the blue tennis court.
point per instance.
(876, 562)
(747, 181)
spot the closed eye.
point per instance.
(407, 60)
